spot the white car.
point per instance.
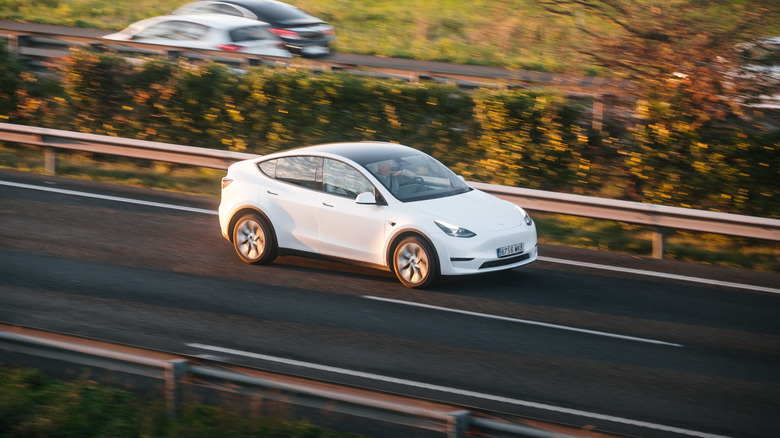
(206, 32)
(377, 204)
(302, 33)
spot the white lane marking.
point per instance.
(660, 275)
(108, 198)
(541, 258)
(456, 391)
(523, 321)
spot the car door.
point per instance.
(348, 229)
(290, 201)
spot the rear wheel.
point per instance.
(415, 264)
(254, 240)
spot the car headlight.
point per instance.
(454, 230)
(526, 217)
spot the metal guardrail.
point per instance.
(38, 48)
(658, 216)
(54, 139)
(177, 372)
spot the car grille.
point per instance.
(504, 262)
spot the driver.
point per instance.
(393, 179)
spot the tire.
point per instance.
(415, 264)
(254, 240)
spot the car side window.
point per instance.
(174, 30)
(341, 179)
(300, 171)
(213, 8)
(159, 30)
(268, 168)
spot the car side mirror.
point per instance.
(365, 198)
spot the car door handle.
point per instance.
(327, 205)
(271, 193)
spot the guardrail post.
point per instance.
(50, 160)
(175, 370)
(458, 424)
(173, 54)
(16, 42)
(658, 242)
(598, 114)
(97, 46)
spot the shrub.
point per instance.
(540, 140)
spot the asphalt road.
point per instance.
(643, 355)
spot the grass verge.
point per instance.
(32, 404)
(681, 245)
(689, 246)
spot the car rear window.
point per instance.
(250, 33)
(280, 12)
(298, 170)
(268, 168)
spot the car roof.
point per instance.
(217, 21)
(363, 152)
(250, 4)
(292, 14)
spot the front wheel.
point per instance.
(415, 264)
(254, 240)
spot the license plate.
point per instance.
(506, 251)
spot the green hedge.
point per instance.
(513, 137)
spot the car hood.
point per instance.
(474, 210)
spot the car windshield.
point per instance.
(416, 177)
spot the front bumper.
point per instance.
(463, 256)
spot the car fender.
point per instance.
(399, 234)
(241, 210)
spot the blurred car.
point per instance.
(302, 33)
(757, 73)
(207, 32)
(376, 204)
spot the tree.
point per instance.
(673, 46)
(691, 125)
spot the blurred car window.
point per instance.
(174, 30)
(250, 33)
